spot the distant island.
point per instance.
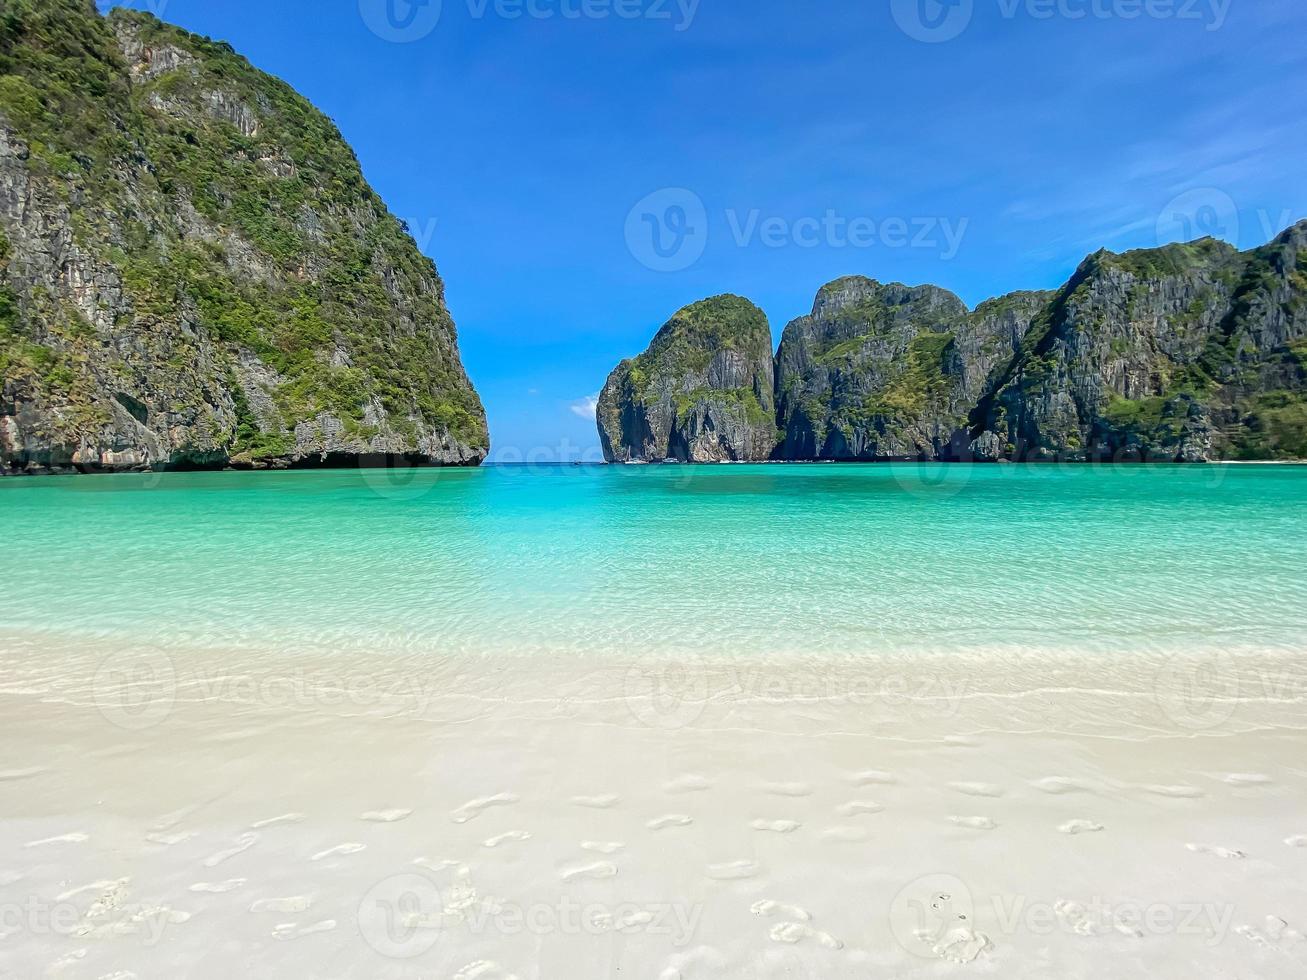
(1185, 353)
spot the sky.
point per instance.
(581, 169)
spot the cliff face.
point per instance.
(889, 371)
(702, 392)
(193, 271)
(1187, 352)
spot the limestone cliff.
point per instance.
(1188, 352)
(702, 392)
(193, 271)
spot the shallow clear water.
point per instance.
(857, 560)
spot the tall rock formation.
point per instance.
(1188, 352)
(882, 371)
(702, 392)
(193, 271)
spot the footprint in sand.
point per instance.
(988, 790)
(766, 906)
(602, 846)
(512, 835)
(1246, 779)
(1176, 792)
(168, 840)
(385, 816)
(974, 823)
(687, 784)
(776, 826)
(1076, 917)
(855, 807)
(1061, 785)
(872, 777)
(605, 802)
(170, 820)
(1221, 852)
(243, 843)
(700, 961)
(350, 847)
(596, 869)
(473, 807)
(607, 920)
(290, 905)
(844, 835)
(484, 968)
(787, 789)
(1298, 840)
(796, 932)
(293, 930)
(1274, 934)
(11, 775)
(274, 821)
(960, 945)
(74, 838)
(671, 820)
(961, 742)
(733, 870)
(1080, 827)
(217, 887)
(115, 888)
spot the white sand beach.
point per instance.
(234, 813)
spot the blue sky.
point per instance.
(982, 145)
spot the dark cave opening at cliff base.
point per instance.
(364, 461)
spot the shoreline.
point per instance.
(590, 464)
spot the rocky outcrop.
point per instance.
(702, 392)
(193, 271)
(1189, 352)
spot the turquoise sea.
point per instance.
(856, 560)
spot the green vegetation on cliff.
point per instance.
(247, 248)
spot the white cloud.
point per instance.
(585, 407)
